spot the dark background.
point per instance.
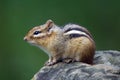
(20, 61)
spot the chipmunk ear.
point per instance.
(49, 23)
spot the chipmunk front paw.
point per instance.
(50, 62)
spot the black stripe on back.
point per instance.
(76, 35)
(78, 29)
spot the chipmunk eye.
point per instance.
(36, 32)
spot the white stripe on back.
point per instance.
(75, 32)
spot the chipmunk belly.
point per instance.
(80, 49)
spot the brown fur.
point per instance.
(61, 48)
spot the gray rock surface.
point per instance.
(106, 67)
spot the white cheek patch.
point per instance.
(31, 42)
(75, 32)
(37, 35)
(40, 35)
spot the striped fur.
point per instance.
(69, 44)
(75, 31)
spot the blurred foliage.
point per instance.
(20, 61)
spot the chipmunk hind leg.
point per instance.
(85, 51)
(87, 59)
(87, 55)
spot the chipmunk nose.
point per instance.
(25, 39)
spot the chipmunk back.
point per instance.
(68, 44)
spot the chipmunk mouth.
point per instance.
(31, 42)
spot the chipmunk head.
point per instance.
(39, 34)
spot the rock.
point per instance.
(106, 67)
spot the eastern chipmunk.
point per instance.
(68, 44)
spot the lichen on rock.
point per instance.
(106, 67)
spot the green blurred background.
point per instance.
(20, 61)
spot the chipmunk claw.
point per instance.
(68, 60)
(50, 63)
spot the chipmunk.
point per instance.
(68, 44)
